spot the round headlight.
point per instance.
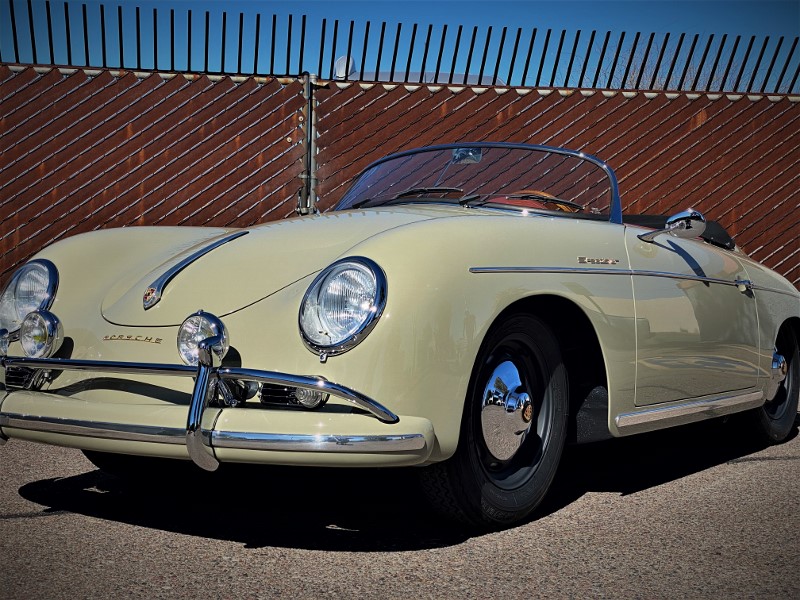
(32, 287)
(41, 334)
(194, 330)
(342, 305)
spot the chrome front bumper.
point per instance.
(202, 443)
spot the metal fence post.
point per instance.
(307, 198)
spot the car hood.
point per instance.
(243, 270)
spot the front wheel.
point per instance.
(513, 429)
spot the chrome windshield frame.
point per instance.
(615, 208)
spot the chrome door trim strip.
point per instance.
(669, 416)
(316, 443)
(628, 272)
(153, 294)
(287, 442)
(763, 288)
(683, 276)
(550, 270)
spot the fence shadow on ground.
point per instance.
(359, 510)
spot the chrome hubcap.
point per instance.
(778, 374)
(506, 412)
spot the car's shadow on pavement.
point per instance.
(360, 510)
(633, 464)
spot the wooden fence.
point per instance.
(83, 150)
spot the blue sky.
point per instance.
(717, 17)
(750, 17)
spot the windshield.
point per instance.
(502, 175)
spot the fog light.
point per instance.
(4, 339)
(41, 334)
(194, 330)
(310, 398)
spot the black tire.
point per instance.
(476, 487)
(775, 420)
(140, 468)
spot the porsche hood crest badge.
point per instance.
(151, 297)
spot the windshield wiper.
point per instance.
(427, 190)
(408, 193)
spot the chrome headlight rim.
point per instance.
(372, 318)
(217, 328)
(44, 304)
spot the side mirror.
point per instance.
(685, 224)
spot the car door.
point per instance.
(696, 329)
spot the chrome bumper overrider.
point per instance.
(198, 441)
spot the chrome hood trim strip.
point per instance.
(153, 293)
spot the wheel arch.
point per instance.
(778, 416)
(583, 358)
(793, 323)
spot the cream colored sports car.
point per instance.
(467, 309)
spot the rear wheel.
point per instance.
(776, 418)
(513, 430)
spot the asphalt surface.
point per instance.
(692, 512)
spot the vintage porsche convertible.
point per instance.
(466, 308)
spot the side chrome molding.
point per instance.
(738, 283)
(661, 417)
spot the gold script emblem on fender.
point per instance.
(585, 260)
